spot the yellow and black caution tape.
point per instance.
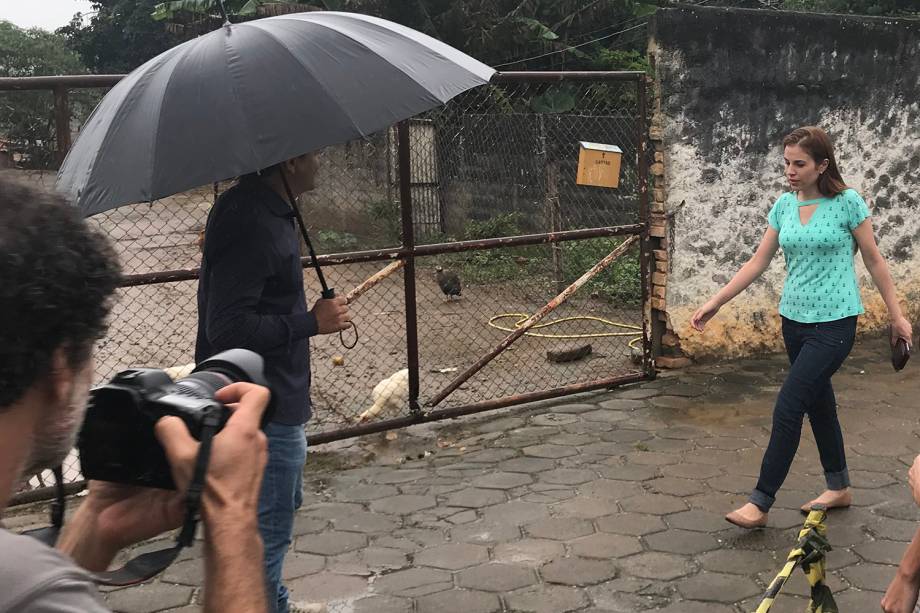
(522, 317)
(808, 553)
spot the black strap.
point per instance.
(49, 535)
(327, 292)
(147, 565)
(354, 343)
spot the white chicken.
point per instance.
(180, 371)
(391, 394)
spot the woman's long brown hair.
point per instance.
(817, 144)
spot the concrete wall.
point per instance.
(730, 84)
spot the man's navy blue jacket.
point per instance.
(251, 293)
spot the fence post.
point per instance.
(61, 122)
(651, 325)
(408, 244)
(553, 209)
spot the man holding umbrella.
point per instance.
(246, 97)
(251, 295)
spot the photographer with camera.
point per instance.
(57, 279)
(251, 295)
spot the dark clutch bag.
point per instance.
(900, 353)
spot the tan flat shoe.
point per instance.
(742, 522)
(842, 502)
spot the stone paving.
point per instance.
(603, 503)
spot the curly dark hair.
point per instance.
(57, 278)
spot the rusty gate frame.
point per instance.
(409, 251)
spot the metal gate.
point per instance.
(483, 188)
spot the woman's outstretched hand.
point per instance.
(703, 315)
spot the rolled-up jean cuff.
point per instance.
(762, 501)
(839, 480)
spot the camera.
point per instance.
(117, 443)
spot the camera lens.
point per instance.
(203, 384)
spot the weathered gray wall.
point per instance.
(731, 83)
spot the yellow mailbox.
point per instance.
(598, 164)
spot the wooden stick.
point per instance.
(533, 319)
(373, 280)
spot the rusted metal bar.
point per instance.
(527, 239)
(392, 253)
(469, 409)
(71, 81)
(649, 328)
(108, 80)
(153, 278)
(373, 280)
(513, 76)
(61, 122)
(533, 319)
(45, 493)
(408, 256)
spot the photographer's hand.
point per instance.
(114, 516)
(331, 314)
(233, 548)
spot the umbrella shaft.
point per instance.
(327, 293)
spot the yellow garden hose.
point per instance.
(522, 317)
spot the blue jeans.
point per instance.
(815, 352)
(281, 496)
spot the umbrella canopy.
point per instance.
(253, 94)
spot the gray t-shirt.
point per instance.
(35, 578)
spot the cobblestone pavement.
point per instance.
(609, 502)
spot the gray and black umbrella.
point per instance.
(253, 94)
(250, 95)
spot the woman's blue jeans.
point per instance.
(815, 352)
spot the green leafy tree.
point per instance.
(509, 34)
(194, 11)
(120, 35)
(27, 123)
(893, 8)
(561, 33)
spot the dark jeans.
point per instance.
(815, 351)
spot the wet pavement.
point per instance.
(609, 502)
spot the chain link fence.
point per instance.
(494, 206)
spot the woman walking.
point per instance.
(819, 224)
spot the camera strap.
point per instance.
(147, 565)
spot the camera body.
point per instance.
(117, 442)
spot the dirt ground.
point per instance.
(155, 325)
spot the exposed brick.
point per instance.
(659, 278)
(661, 266)
(659, 194)
(672, 362)
(659, 156)
(657, 207)
(660, 254)
(658, 291)
(670, 340)
(657, 169)
(658, 303)
(658, 230)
